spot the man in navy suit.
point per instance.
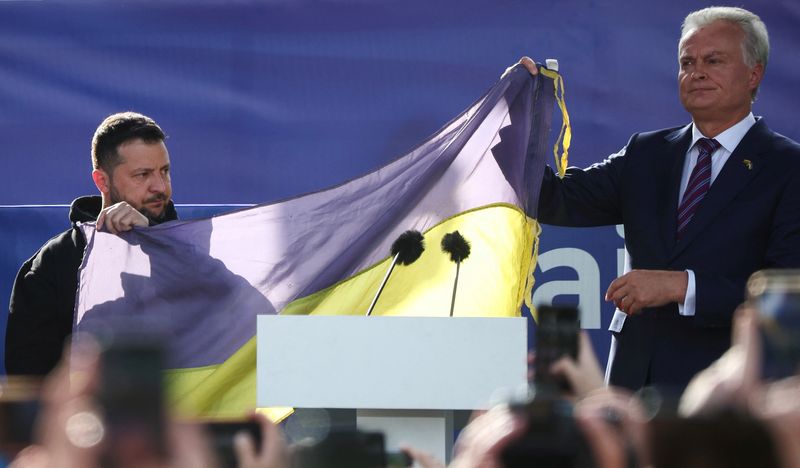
(703, 207)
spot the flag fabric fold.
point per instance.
(205, 281)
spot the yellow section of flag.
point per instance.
(222, 391)
(493, 281)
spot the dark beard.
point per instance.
(153, 218)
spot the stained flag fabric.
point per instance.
(203, 282)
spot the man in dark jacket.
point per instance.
(131, 171)
(704, 206)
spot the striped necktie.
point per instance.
(698, 185)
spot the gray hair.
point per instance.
(755, 47)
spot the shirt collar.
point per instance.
(730, 138)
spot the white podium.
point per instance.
(403, 375)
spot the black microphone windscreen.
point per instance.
(454, 244)
(409, 246)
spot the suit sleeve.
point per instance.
(717, 296)
(584, 197)
(725, 293)
(784, 243)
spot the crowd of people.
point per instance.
(728, 416)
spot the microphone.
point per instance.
(406, 249)
(454, 244)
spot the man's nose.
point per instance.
(699, 73)
(158, 183)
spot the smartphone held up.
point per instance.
(776, 296)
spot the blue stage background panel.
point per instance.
(268, 100)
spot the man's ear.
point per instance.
(756, 74)
(102, 181)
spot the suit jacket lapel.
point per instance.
(673, 160)
(734, 176)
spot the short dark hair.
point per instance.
(117, 129)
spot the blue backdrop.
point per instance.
(269, 100)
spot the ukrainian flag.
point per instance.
(326, 252)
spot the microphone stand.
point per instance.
(383, 284)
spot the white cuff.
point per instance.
(687, 308)
(617, 321)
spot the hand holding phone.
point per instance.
(222, 435)
(131, 398)
(557, 330)
(776, 297)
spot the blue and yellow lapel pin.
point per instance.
(748, 164)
